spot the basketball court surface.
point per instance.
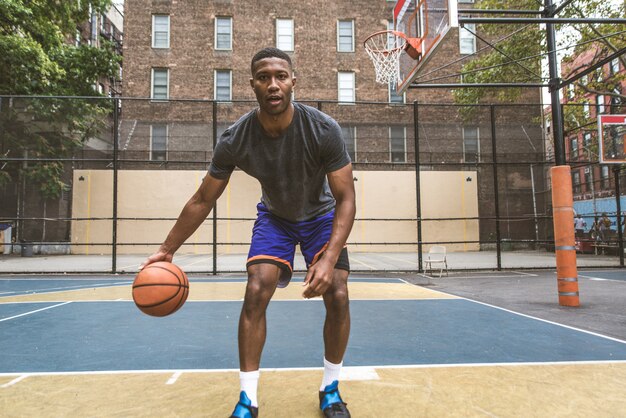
(419, 346)
(482, 344)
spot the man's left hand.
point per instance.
(318, 279)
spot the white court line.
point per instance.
(523, 273)
(413, 263)
(304, 369)
(600, 279)
(73, 301)
(52, 290)
(35, 311)
(358, 373)
(493, 276)
(546, 321)
(14, 381)
(174, 378)
(62, 278)
(136, 265)
(360, 262)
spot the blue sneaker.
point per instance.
(331, 403)
(244, 408)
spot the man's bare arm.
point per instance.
(319, 277)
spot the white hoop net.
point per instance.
(384, 49)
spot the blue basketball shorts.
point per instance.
(274, 241)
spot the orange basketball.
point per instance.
(160, 289)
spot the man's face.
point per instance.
(272, 82)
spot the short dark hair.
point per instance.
(269, 52)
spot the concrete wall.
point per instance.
(162, 194)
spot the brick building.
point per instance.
(583, 104)
(181, 57)
(202, 50)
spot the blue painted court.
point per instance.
(78, 330)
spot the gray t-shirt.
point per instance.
(291, 168)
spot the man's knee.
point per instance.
(259, 291)
(337, 296)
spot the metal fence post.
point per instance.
(618, 203)
(417, 186)
(115, 169)
(494, 164)
(214, 206)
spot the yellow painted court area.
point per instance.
(571, 390)
(202, 291)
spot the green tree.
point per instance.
(521, 47)
(517, 58)
(37, 58)
(596, 42)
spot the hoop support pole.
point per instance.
(564, 242)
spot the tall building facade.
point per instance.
(584, 105)
(190, 62)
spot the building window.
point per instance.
(390, 38)
(586, 110)
(570, 91)
(467, 40)
(345, 82)
(349, 136)
(616, 100)
(160, 83)
(223, 33)
(605, 177)
(397, 144)
(158, 142)
(394, 97)
(576, 181)
(600, 103)
(471, 145)
(160, 31)
(573, 150)
(284, 34)
(599, 74)
(588, 185)
(587, 140)
(223, 82)
(345, 36)
(614, 66)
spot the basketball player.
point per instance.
(298, 155)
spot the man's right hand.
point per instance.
(158, 256)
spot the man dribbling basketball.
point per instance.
(298, 155)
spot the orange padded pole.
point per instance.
(564, 242)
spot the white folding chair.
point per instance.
(436, 258)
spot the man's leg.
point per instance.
(337, 324)
(336, 334)
(262, 281)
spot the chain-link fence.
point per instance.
(95, 184)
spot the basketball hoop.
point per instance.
(385, 48)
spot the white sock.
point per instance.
(249, 382)
(331, 373)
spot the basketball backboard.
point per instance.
(430, 20)
(612, 139)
